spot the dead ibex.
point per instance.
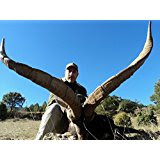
(57, 86)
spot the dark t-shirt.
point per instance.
(76, 87)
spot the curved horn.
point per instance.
(54, 85)
(114, 82)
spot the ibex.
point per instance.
(83, 114)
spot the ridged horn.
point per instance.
(114, 82)
(54, 85)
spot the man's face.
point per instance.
(71, 74)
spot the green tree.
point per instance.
(127, 106)
(43, 107)
(31, 108)
(146, 116)
(36, 108)
(156, 95)
(3, 111)
(108, 106)
(13, 99)
(122, 119)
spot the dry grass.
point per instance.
(25, 129)
(152, 130)
(18, 129)
(152, 127)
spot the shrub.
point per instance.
(24, 114)
(3, 111)
(127, 106)
(100, 110)
(122, 119)
(108, 106)
(146, 117)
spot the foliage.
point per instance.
(146, 116)
(31, 108)
(108, 106)
(21, 114)
(26, 109)
(111, 105)
(127, 106)
(156, 96)
(43, 107)
(3, 111)
(122, 119)
(36, 107)
(155, 108)
(13, 100)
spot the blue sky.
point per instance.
(100, 48)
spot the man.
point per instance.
(55, 117)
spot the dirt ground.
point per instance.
(18, 129)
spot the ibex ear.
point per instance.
(115, 81)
